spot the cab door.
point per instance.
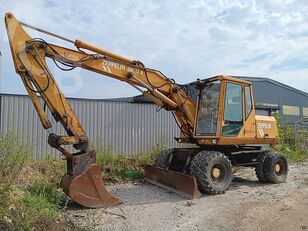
(233, 110)
(208, 108)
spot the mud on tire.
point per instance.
(212, 170)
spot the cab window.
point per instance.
(233, 114)
(248, 104)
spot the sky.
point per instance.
(183, 39)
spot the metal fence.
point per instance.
(121, 127)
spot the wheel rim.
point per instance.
(215, 172)
(277, 168)
(280, 167)
(218, 174)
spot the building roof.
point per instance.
(265, 79)
(124, 99)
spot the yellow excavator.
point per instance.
(221, 124)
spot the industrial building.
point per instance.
(292, 103)
(133, 125)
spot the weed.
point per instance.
(33, 199)
(132, 174)
(121, 167)
(47, 190)
(31, 209)
(287, 141)
(13, 154)
(5, 202)
(291, 153)
(41, 201)
(50, 169)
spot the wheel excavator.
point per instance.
(221, 124)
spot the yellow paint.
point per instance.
(216, 172)
(277, 168)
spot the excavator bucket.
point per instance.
(87, 187)
(177, 182)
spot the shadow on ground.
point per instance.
(240, 181)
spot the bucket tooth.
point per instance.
(177, 182)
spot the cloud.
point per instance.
(185, 40)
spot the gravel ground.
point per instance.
(247, 205)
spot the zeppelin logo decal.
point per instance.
(264, 126)
(106, 68)
(108, 65)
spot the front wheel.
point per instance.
(212, 170)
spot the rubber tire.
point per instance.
(163, 158)
(201, 168)
(269, 168)
(259, 169)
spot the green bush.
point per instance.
(287, 142)
(118, 167)
(41, 201)
(13, 154)
(28, 201)
(291, 153)
(47, 190)
(5, 200)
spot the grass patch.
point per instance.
(29, 193)
(46, 190)
(30, 210)
(13, 155)
(292, 154)
(120, 167)
(5, 200)
(41, 201)
(287, 141)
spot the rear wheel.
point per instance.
(260, 166)
(163, 158)
(212, 170)
(276, 168)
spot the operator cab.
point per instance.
(224, 107)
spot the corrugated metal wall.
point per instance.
(122, 127)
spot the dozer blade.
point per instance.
(177, 182)
(88, 189)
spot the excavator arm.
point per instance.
(82, 182)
